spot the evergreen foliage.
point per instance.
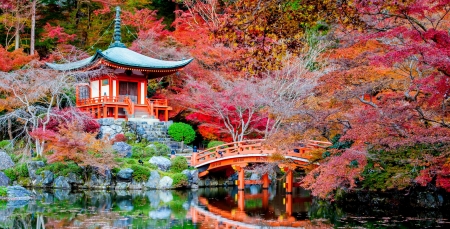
(182, 132)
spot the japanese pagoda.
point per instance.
(124, 93)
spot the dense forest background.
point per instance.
(372, 77)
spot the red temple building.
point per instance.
(124, 93)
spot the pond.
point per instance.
(203, 208)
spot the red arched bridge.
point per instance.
(239, 154)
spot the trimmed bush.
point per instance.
(179, 163)
(119, 138)
(11, 174)
(4, 144)
(179, 180)
(140, 173)
(161, 149)
(182, 132)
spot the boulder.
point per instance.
(5, 161)
(165, 183)
(194, 175)
(19, 192)
(72, 178)
(125, 174)
(4, 180)
(162, 162)
(194, 186)
(122, 149)
(106, 121)
(121, 186)
(188, 175)
(153, 180)
(47, 178)
(61, 182)
(161, 213)
(99, 181)
(134, 185)
(33, 166)
(62, 194)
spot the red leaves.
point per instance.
(56, 32)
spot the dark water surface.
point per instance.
(205, 208)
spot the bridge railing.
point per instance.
(249, 147)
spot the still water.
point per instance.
(205, 208)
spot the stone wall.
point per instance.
(151, 129)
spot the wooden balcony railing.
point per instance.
(99, 100)
(130, 105)
(158, 102)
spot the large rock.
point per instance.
(194, 175)
(188, 175)
(47, 178)
(162, 162)
(19, 192)
(125, 174)
(165, 183)
(106, 121)
(61, 182)
(121, 186)
(122, 148)
(72, 178)
(153, 180)
(33, 166)
(99, 181)
(4, 180)
(5, 161)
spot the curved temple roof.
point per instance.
(118, 56)
(123, 57)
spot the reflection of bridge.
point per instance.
(239, 154)
(237, 218)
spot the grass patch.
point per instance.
(3, 191)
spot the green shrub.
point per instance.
(62, 169)
(11, 174)
(3, 191)
(139, 151)
(4, 144)
(179, 163)
(131, 138)
(161, 149)
(22, 170)
(140, 173)
(182, 132)
(19, 170)
(179, 180)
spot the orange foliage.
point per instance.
(14, 60)
(73, 144)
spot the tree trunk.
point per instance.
(33, 26)
(9, 129)
(17, 31)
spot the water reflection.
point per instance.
(218, 208)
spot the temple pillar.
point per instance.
(98, 112)
(289, 181)
(166, 115)
(105, 111)
(152, 113)
(266, 181)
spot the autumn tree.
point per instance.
(72, 143)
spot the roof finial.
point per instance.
(117, 34)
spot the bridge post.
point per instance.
(241, 200)
(266, 181)
(265, 199)
(288, 204)
(241, 180)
